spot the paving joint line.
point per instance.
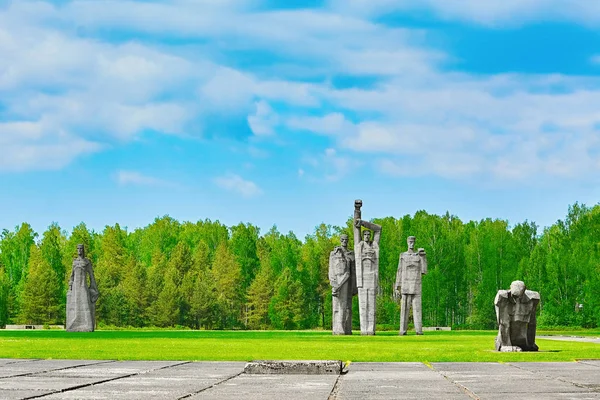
(69, 389)
(587, 363)
(462, 388)
(333, 395)
(16, 361)
(54, 369)
(211, 386)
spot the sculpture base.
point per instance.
(510, 349)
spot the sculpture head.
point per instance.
(80, 250)
(367, 235)
(344, 240)
(517, 288)
(411, 242)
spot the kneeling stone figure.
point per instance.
(515, 313)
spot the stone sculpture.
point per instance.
(81, 298)
(515, 312)
(343, 286)
(366, 252)
(411, 266)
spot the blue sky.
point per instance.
(284, 112)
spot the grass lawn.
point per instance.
(290, 345)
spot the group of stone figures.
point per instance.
(357, 272)
(351, 273)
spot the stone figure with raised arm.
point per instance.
(366, 252)
(82, 296)
(343, 286)
(515, 312)
(411, 266)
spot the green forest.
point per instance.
(205, 275)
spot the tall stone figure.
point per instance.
(411, 266)
(515, 312)
(343, 286)
(366, 252)
(81, 297)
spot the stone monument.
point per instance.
(515, 312)
(81, 297)
(366, 252)
(343, 286)
(411, 266)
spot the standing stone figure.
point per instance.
(367, 269)
(81, 298)
(343, 286)
(411, 267)
(515, 311)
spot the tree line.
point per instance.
(207, 275)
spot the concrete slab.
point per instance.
(294, 367)
(395, 381)
(8, 361)
(111, 369)
(490, 379)
(267, 387)
(579, 374)
(171, 381)
(43, 383)
(585, 339)
(21, 394)
(39, 366)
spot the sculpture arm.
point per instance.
(71, 278)
(423, 261)
(93, 287)
(374, 227)
(398, 283)
(331, 275)
(503, 318)
(358, 264)
(532, 325)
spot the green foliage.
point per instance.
(206, 275)
(41, 291)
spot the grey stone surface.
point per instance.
(366, 252)
(515, 313)
(276, 387)
(342, 278)
(81, 296)
(412, 265)
(293, 367)
(22, 394)
(28, 367)
(495, 380)
(576, 373)
(226, 380)
(395, 381)
(572, 338)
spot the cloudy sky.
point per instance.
(284, 112)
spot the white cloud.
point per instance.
(61, 83)
(237, 184)
(125, 178)
(28, 145)
(263, 120)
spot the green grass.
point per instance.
(291, 345)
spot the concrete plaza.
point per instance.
(86, 379)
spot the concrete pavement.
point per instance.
(85, 379)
